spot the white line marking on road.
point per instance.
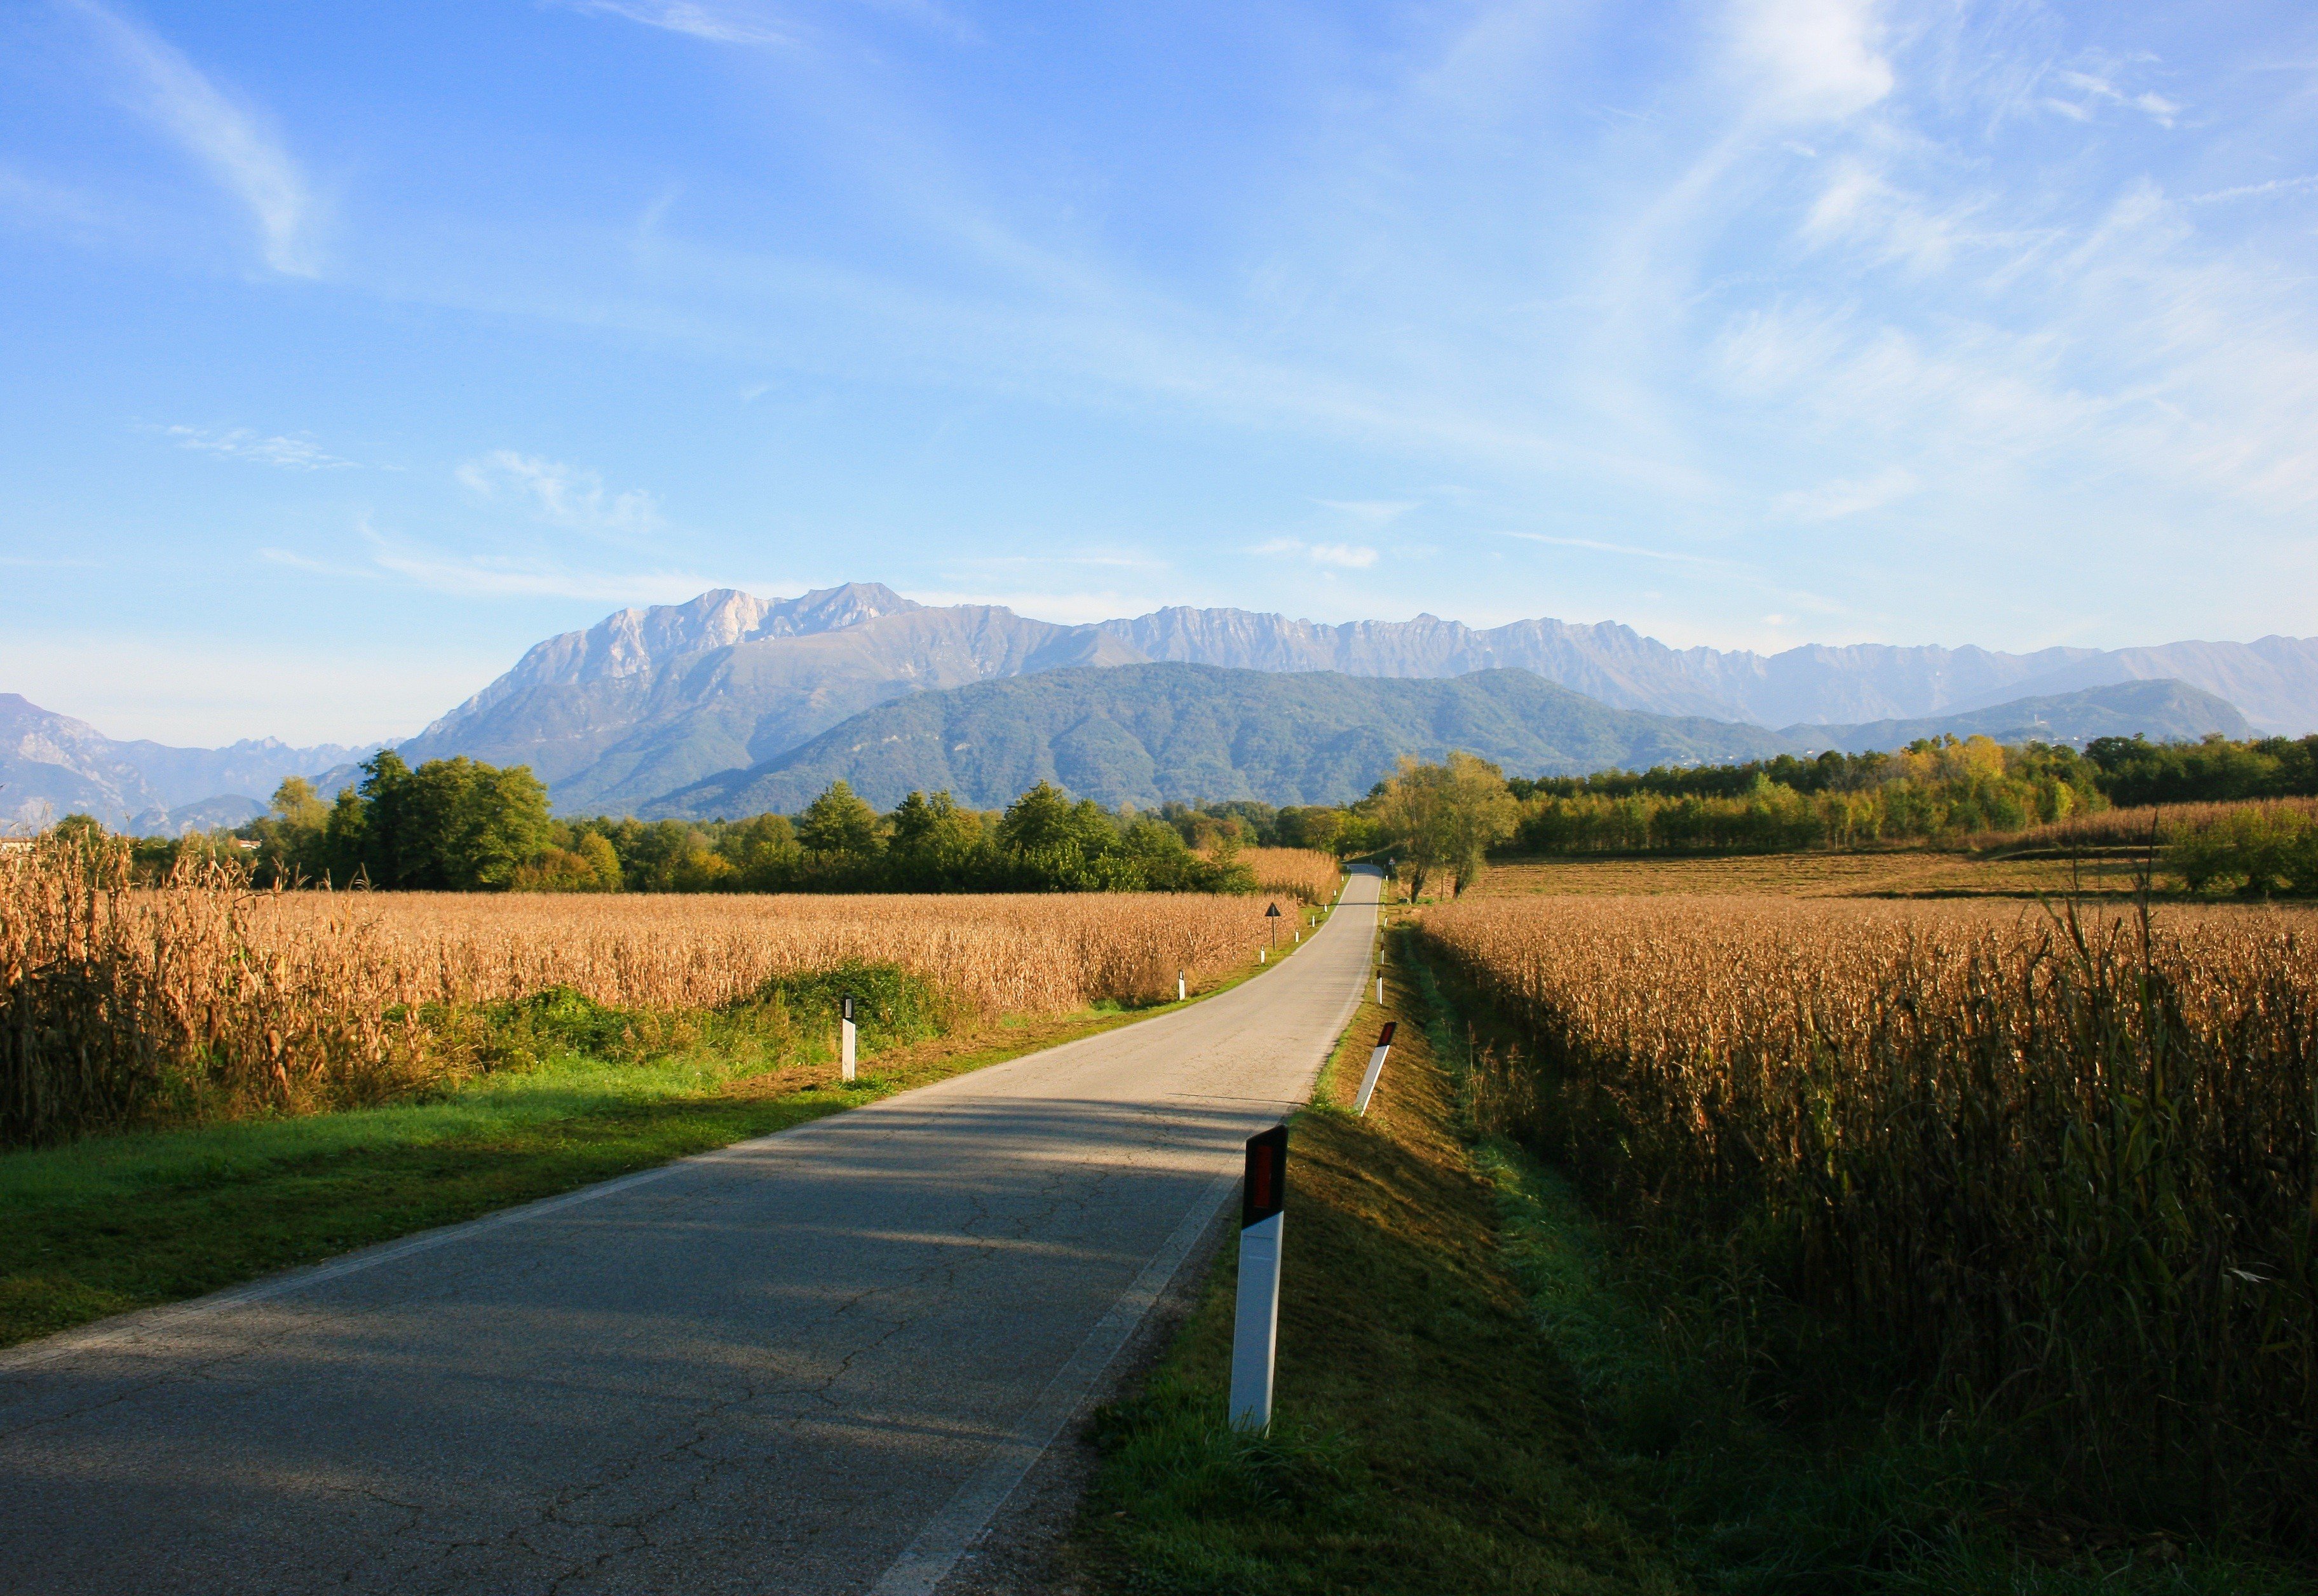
(947, 1537)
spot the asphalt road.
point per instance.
(814, 1362)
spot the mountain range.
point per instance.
(649, 702)
(662, 710)
(1142, 734)
(51, 764)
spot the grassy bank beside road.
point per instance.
(1426, 1440)
(110, 1223)
(1483, 1386)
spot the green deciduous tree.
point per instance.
(1446, 817)
(451, 825)
(839, 825)
(937, 846)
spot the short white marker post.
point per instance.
(1380, 990)
(1255, 1321)
(845, 1035)
(1180, 993)
(1370, 1077)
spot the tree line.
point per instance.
(2128, 772)
(458, 825)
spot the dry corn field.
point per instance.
(1303, 873)
(295, 1001)
(2053, 1173)
(2134, 829)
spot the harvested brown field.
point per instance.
(2050, 1170)
(114, 999)
(1303, 873)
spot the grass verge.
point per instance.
(1425, 1439)
(1774, 1459)
(110, 1223)
(1480, 1388)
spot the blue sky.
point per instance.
(348, 349)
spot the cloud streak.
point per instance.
(697, 19)
(1341, 556)
(563, 495)
(241, 152)
(294, 453)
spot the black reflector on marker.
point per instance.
(1267, 1168)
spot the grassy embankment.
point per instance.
(1480, 1388)
(113, 1223)
(1425, 1439)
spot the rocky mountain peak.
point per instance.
(628, 643)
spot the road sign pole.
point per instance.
(1375, 1070)
(1255, 1323)
(845, 1036)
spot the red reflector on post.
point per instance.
(1384, 1037)
(1267, 1171)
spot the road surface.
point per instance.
(813, 1362)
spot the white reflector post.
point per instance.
(845, 1036)
(1376, 1063)
(1255, 1322)
(1180, 991)
(1379, 992)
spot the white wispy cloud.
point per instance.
(1375, 511)
(1629, 550)
(1343, 556)
(1832, 501)
(497, 576)
(234, 141)
(2255, 190)
(563, 495)
(240, 443)
(2083, 92)
(1808, 60)
(699, 19)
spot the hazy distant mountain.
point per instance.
(2274, 681)
(651, 700)
(1143, 734)
(2162, 711)
(52, 766)
(227, 810)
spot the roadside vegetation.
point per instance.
(1425, 1439)
(203, 999)
(2009, 1212)
(1496, 1372)
(201, 1082)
